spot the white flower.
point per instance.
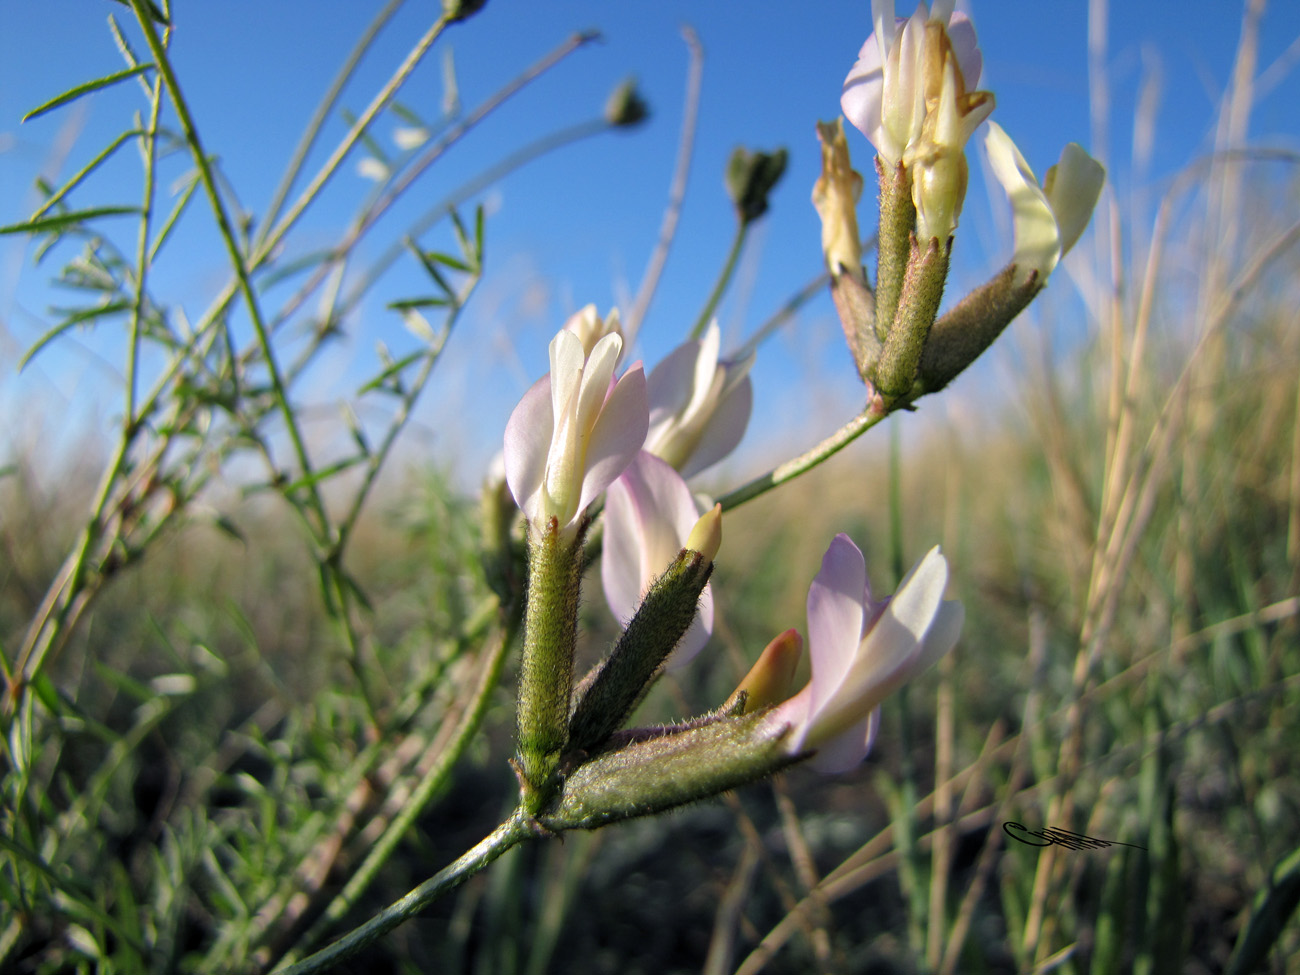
(1050, 218)
(862, 650)
(699, 404)
(574, 431)
(649, 515)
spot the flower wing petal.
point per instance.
(725, 429)
(1038, 239)
(847, 750)
(1073, 187)
(527, 442)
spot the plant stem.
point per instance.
(509, 834)
(724, 279)
(805, 462)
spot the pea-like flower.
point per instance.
(574, 431)
(649, 515)
(1049, 218)
(862, 650)
(898, 76)
(699, 404)
(587, 324)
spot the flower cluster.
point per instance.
(912, 94)
(586, 442)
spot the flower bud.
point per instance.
(835, 195)
(625, 107)
(750, 178)
(706, 536)
(771, 680)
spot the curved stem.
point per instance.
(805, 462)
(724, 279)
(509, 834)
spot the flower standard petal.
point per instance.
(836, 614)
(617, 436)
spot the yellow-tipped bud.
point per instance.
(706, 536)
(771, 679)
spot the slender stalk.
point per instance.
(327, 102)
(724, 279)
(805, 462)
(382, 98)
(506, 836)
(677, 189)
(434, 779)
(237, 260)
(149, 144)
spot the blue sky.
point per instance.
(579, 225)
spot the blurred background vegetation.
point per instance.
(242, 714)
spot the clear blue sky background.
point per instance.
(578, 226)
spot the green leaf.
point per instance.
(61, 221)
(72, 94)
(85, 315)
(1268, 919)
(381, 380)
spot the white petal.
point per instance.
(1038, 240)
(896, 638)
(961, 32)
(1072, 187)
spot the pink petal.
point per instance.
(863, 92)
(894, 641)
(847, 750)
(527, 441)
(835, 617)
(617, 436)
(671, 382)
(725, 429)
(649, 512)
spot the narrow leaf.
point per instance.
(61, 221)
(72, 94)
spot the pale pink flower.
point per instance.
(885, 96)
(574, 431)
(862, 650)
(699, 404)
(649, 514)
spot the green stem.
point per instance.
(805, 462)
(237, 260)
(509, 834)
(326, 106)
(724, 279)
(149, 138)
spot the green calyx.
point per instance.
(609, 692)
(546, 672)
(678, 766)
